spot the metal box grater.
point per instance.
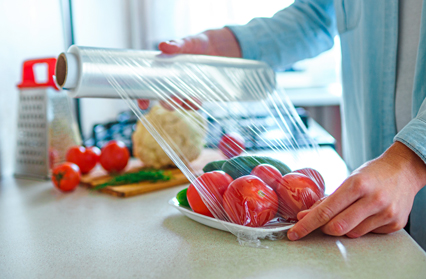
(46, 125)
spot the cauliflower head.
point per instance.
(184, 132)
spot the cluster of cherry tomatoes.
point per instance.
(113, 157)
(254, 200)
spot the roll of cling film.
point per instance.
(188, 105)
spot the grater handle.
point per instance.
(28, 79)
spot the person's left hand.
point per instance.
(377, 197)
(218, 42)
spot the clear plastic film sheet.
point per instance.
(258, 181)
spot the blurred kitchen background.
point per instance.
(44, 28)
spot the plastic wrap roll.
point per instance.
(256, 184)
(86, 72)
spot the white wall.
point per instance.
(33, 29)
(174, 19)
(29, 29)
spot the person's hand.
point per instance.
(219, 42)
(377, 197)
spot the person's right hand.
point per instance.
(218, 42)
(377, 197)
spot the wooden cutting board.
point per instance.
(99, 176)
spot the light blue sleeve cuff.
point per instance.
(247, 41)
(413, 135)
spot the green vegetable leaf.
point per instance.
(135, 177)
(181, 197)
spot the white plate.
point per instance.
(229, 227)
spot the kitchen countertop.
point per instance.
(48, 234)
(330, 95)
(307, 89)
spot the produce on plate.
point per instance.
(268, 174)
(211, 185)
(232, 145)
(85, 158)
(248, 201)
(183, 130)
(181, 197)
(136, 177)
(315, 176)
(268, 193)
(243, 165)
(66, 176)
(214, 165)
(114, 156)
(297, 192)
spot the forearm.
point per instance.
(303, 30)
(223, 42)
(413, 138)
(408, 162)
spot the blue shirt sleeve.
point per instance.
(302, 30)
(413, 135)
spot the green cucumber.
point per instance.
(243, 165)
(214, 165)
(181, 197)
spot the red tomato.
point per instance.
(85, 158)
(232, 145)
(250, 202)
(191, 104)
(143, 104)
(315, 176)
(296, 192)
(114, 156)
(171, 103)
(212, 186)
(268, 174)
(66, 176)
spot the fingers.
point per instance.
(365, 227)
(390, 228)
(316, 218)
(198, 44)
(377, 224)
(303, 213)
(352, 217)
(171, 47)
(324, 212)
(219, 42)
